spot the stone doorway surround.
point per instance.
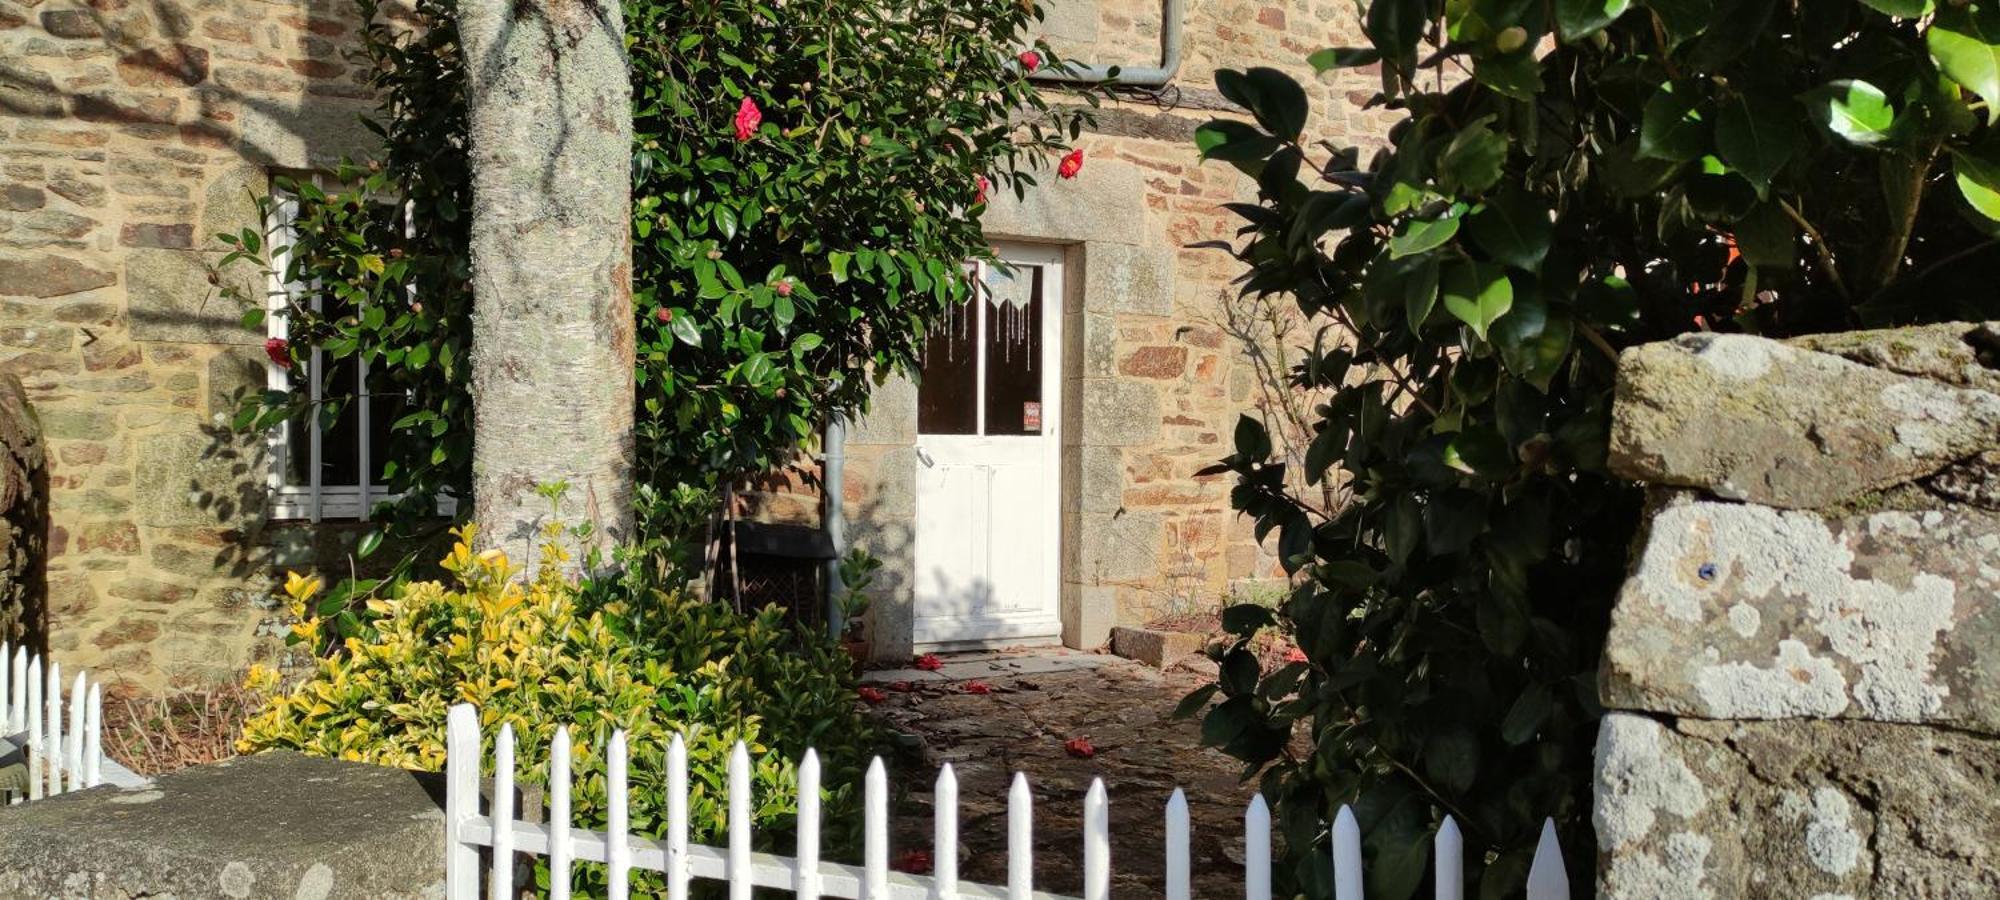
(1118, 263)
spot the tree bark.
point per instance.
(550, 104)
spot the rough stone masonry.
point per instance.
(1802, 665)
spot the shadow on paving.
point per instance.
(1125, 711)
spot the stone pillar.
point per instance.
(24, 520)
(1803, 669)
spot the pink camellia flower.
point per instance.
(984, 186)
(663, 314)
(1071, 164)
(1030, 60)
(978, 687)
(784, 288)
(280, 352)
(929, 662)
(870, 695)
(1295, 655)
(748, 117)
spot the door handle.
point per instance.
(925, 458)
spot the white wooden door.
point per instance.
(988, 459)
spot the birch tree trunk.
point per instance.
(550, 103)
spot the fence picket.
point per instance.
(1546, 878)
(1448, 868)
(1178, 870)
(809, 826)
(740, 879)
(1346, 856)
(1096, 843)
(75, 744)
(502, 880)
(33, 714)
(561, 852)
(1020, 840)
(93, 736)
(20, 705)
(944, 834)
(677, 819)
(461, 802)
(1257, 850)
(618, 839)
(52, 730)
(875, 827)
(808, 876)
(8, 698)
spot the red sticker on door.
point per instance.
(1031, 415)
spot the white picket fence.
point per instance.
(65, 744)
(806, 875)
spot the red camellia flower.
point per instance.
(1080, 748)
(984, 186)
(748, 117)
(977, 687)
(902, 687)
(871, 696)
(929, 662)
(280, 352)
(1295, 655)
(1030, 60)
(663, 314)
(1071, 164)
(915, 862)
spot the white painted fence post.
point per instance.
(617, 838)
(1257, 850)
(501, 881)
(461, 801)
(1020, 840)
(561, 851)
(875, 834)
(17, 692)
(1448, 867)
(7, 696)
(809, 826)
(52, 731)
(740, 876)
(93, 735)
(1347, 882)
(1546, 878)
(76, 741)
(1096, 843)
(944, 835)
(33, 715)
(1178, 880)
(677, 819)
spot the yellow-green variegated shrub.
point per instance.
(528, 652)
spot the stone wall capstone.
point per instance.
(1802, 667)
(24, 519)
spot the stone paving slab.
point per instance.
(994, 664)
(1124, 709)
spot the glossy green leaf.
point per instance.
(1851, 109)
(1527, 714)
(1232, 141)
(1534, 339)
(1472, 162)
(1978, 178)
(1421, 235)
(1331, 58)
(1672, 126)
(1513, 228)
(1476, 294)
(1420, 291)
(1756, 135)
(1902, 9)
(1964, 41)
(1579, 19)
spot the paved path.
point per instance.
(1039, 701)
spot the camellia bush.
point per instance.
(1566, 179)
(537, 654)
(807, 179)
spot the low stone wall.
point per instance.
(24, 519)
(1803, 669)
(276, 825)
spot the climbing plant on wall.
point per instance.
(807, 179)
(1567, 179)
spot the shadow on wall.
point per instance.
(24, 521)
(270, 130)
(891, 597)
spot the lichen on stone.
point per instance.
(1637, 781)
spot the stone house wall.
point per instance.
(1801, 669)
(1155, 382)
(131, 132)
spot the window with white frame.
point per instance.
(325, 463)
